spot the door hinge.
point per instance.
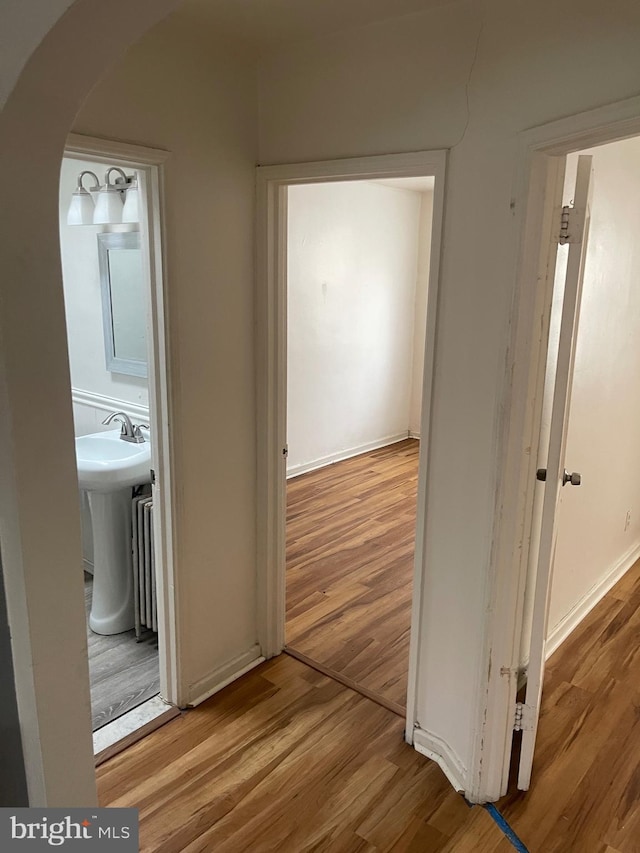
(153, 477)
(565, 218)
(285, 450)
(524, 718)
(571, 225)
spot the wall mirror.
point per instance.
(124, 311)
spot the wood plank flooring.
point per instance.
(287, 760)
(123, 673)
(350, 550)
(284, 760)
(585, 792)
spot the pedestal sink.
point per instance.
(107, 469)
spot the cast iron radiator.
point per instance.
(144, 569)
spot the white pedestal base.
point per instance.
(112, 606)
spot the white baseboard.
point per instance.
(224, 675)
(437, 750)
(109, 404)
(561, 631)
(305, 467)
(414, 434)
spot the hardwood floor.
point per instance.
(288, 760)
(123, 673)
(284, 760)
(585, 792)
(350, 549)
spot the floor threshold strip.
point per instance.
(347, 682)
(506, 829)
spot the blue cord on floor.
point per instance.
(504, 826)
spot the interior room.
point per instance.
(357, 279)
(598, 531)
(106, 299)
(599, 523)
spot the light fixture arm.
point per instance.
(96, 182)
(119, 182)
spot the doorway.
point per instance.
(357, 283)
(539, 194)
(273, 201)
(584, 541)
(114, 297)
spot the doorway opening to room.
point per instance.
(576, 381)
(110, 233)
(348, 256)
(357, 282)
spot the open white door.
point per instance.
(574, 231)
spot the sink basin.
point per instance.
(106, 463)
(107, 469)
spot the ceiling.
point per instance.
(266, 22)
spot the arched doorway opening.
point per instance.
(38, 494)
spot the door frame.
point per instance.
(540, 161)
(271, 373)
(149, 164)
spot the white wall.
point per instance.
(352, 268)
(468, 77)
(603, 440)
(420, 310)
(83, 311)
(20, 34)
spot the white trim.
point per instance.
(109, 404)
(582, 608)
(542, 151)
(323, 461)
(414, 434)
(217, 680)
(79, 147)
(271, 353)
(411, 165)
(149, 164)
(437, 750)
(422, 509)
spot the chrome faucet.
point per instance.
(129, 431)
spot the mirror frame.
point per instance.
(106, 242)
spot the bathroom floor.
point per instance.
(123, 673)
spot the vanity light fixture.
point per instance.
(109, 208)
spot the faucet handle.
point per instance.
(137, 432)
